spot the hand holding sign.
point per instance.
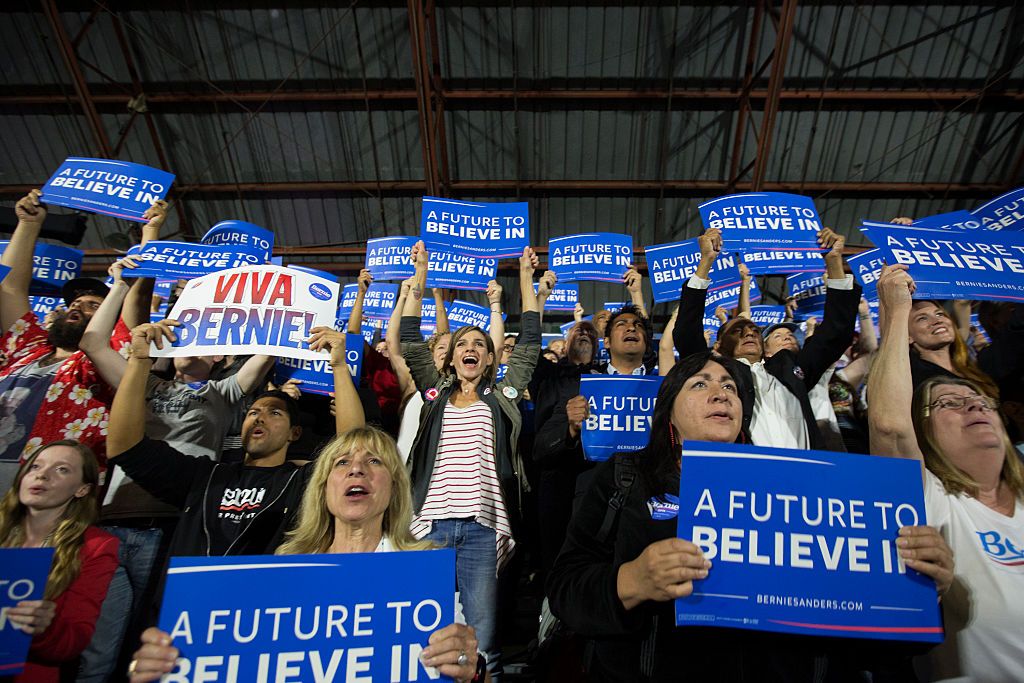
(576, 411)
(29, 209)
(155, 217)
(546, 284)
(447, 647)
(923, 549)
(116, 269)
(494, 291)
(364, 280)
(32, 616)
(146, 335)
(155, 658)
(528, 261)
(664, 571)
(895, 287)
(710, 244)
(327, 338)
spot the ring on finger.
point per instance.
(132, 666)
(463, 660)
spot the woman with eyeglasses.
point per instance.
(973, 489)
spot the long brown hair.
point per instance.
(69, 535)
(938, 463)
(314, 531)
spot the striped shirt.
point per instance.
(464, 483)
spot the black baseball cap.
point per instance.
(792, 327)
(81, 286)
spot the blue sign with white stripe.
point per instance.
(809, 291)
(562, 298)
(187, 261)
(866, 267)
(23, 574)
(954, 220)
(104, 186)
(240, 234)
(766, 316)
(776, 232)
(379, 302)
(331, 617)
(52, 266)
(600, 256)
(316, 375)
(388, 258)
(670, 265)
(42, 305)
(804, 542)
(1005, 212)
(955, 265)
(452, 270)
(463, 314)
(620, 413)
(482, 230)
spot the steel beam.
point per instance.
(572, 188)
(783, 39)
(67, 53)
(113, 98)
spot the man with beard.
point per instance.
(50, 390)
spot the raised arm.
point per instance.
(250, 376)
(744, 307)
(349, 412)
(497, 329)
(688, 332)
(440, 312)
(527, 264)
(544, 288)
(355, 320)
(126, 425)
(414, 303)
(868, 335)
(95, 340)
(962, 317)
(393, 339)
(634, 285)
(140, 297)
(18, 257)
(890, 386)
(666, 349)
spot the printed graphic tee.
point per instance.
(982, 611)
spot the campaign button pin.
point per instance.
(510, 392)
(663, 507)
(431, 393)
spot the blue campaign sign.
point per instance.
(452, 270)
(601, 256)
(336, 617)
(163, 288)
(23, 573)
(982, 332)
(6, 269)
(866, 267)
(316, 375)
(162, 259)
(112, 188)
(776, 232)
(804, 542)
(482, 230)
(766, 316)
(387, 258)
(955, 265)
(379, 301)
(672, 264)
(463, 313)
(348, 298)
(41, 305)
(548, 337)
(614, 306)
(501, 372)
(368, 330)
(620, 413)
(725, 289)
(565, 327)
(243, 235)
(954, 220)
(711, 324)
(562, 298)
(809, 291)
(1005, 212)
(52, 266)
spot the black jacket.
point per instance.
(196, 486)
(798, 372)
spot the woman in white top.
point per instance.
(358, 501)
(973, 486)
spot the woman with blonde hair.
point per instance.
(358, 500)
(973, 493)
(52, 504)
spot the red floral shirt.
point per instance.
(77, 401)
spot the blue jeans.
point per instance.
(136, 556)
(476, 568)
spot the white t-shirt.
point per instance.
(984, 609)
(778, 419)
(409, 425)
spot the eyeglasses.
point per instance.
(960, 402)
(509, 347)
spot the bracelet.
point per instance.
(481, 669)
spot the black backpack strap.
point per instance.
(625, 476)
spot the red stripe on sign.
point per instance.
(865, 629)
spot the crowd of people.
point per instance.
(471, 439)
